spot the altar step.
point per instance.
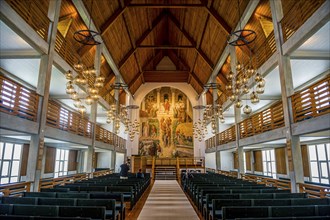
(165, 173)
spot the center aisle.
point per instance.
(167, 201)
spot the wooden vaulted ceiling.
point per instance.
(141, 34)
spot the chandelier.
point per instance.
(85, 77)
(238, 83)
(87, 36)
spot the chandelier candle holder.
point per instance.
(238, 83)
(85, 77)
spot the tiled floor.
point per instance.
(167, 201)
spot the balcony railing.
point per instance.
(299, 13)
(104, 135)
(266, 120)
(65, 49)
(32, 14)
(61, 118)
(314, 191)
(17, 100)
(312, 101)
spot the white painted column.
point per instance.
(35, 167)
(293, 147)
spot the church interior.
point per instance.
(219, 108)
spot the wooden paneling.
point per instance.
(236, 166)
(95, 156)
(50, 160)
(258, 161)
(24, 160)
(72, 163)
(248, 160)
(280, 160)
(305, 159)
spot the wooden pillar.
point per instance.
(36, 158)
(293, 143)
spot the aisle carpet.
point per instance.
(167, 201)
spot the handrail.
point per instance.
(224, 137)
(297, 16)
(312, 101)
(61, 181)
(17, 100)
(266, 120)
(104, 135)
(314, 191)
(153, 167)
(63, 119)
(15, 189)
(280, 184)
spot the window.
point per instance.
(319, 157)
(61, 163)
(268, 161)
(10, 161)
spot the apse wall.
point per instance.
(187, 90)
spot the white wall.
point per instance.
(104, 159)
(210, 161)
(119, 161)
(226, 160)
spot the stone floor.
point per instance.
(167, 201)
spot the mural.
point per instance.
(166, 124)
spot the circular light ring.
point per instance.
(241, 37)
(132, 107)
(199, 107)
(86, 37)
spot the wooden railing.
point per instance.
(104, 135)
(224, 137)
(312, 101)
(32, 13)
(153, 167)
(15, 189)
(17, 100)
(61, 118)
(280, 184)
(65, 49)
(298, 14)
(314, 191)
(192, 162)
(228, 173)
(266, 120)
(265, 50)
(61, 181)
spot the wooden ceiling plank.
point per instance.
(175, 6)
(219, 19)
(166, 47)
(141, 39)
(192, 41)
(175, 58)
(108, 23)
(197, 79)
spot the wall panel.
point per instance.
(72, 163)
(50, 160)
(280, 160)
(305, 160)
(24, 160)
(258, 161)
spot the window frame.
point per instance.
(320, 173)
(10, 162)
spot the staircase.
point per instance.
(165, 173)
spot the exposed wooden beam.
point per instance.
(166, 47)
(141, 39)
(310, 55)
(173, 6)
(197, 79)
(219, 19)
(20, 54)
(192, 41)
(137, 76)
(177, 60)
(108, 23)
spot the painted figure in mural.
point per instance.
(145, 130)
(153, 132)
(167, 106)
(153, 111)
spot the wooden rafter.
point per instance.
(191, 40)
(219, 19)
(166, 47)
(141, 39)
(157, 57)
(200, 83)
(177, 60)
(174, 6)
(108, 23)
(166, 76)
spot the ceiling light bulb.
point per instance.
(232, 98)
(246, 89)
(89, 100)
(230, 75)
(247, 109)
(69, 75)
(222, 120)
(238, 104)
(262, 82)
(257, 77)
(82, 109)
(260, 89)
(77, 103)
